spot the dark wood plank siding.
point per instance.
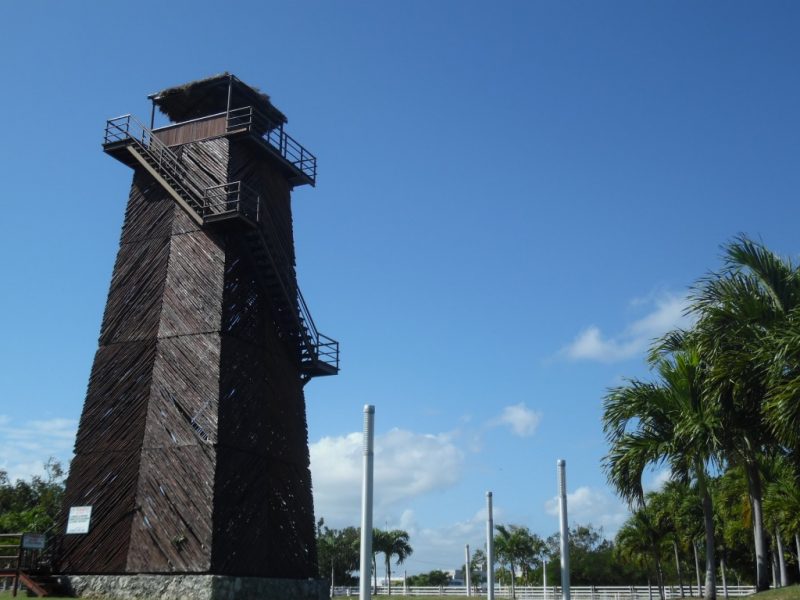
(201, 129)
(105, 471)
(192, 446)
(171, 531)
(262, 439)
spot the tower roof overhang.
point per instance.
(210, 96)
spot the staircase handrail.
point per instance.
(311, 337)
(128, 127)
(237, 196)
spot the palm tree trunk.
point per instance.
(754, 491)
(708, 521)
(697, 568)
(781, 559)
(797, 543)
(375, 573)
(660, 576)
(678, 566)
(657, 566)
(724, 576)
(513, 580)
(389, 573)
(774, 571)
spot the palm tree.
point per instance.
(380, 544)
(744, 314)
(782, 403)
(735, 519)
(638, 540)
(670, 421)
(690, 524)
(782, 508)
(503, 547)
(515, 545)
(478, 567)
(670, 507)
(395, 543)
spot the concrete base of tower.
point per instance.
(194, 587)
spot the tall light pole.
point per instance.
(365, 567)
(489, 548)
(467, 575)
(562, 498)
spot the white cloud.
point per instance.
(588, 505)
(407, 465)
(667, 313)
(453, 535)
(25, 447)
(522, 420)
(658, 480)
(443, 547)
(408, 521)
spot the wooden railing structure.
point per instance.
(24, 567)
(234, 202)
(622, 592)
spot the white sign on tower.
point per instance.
(79, 517)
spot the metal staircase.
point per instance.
(131, 142)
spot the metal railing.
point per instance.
(273, 134)
(632, 592)
(233, 198)
(128, 128)
(238, 198)
(315, 346)
(328, 350)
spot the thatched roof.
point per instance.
(209, 96)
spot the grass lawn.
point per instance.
(788, 593)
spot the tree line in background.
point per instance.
(31, 506)
(722, 413)
(521, 558)
(338, 552)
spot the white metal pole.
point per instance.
(489, 548)
(365, 567)
(544, 577)
(467, 578)
(562, 496)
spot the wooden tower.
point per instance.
(192, 448)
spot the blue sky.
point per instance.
(513, 199)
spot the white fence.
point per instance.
(619, 592)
